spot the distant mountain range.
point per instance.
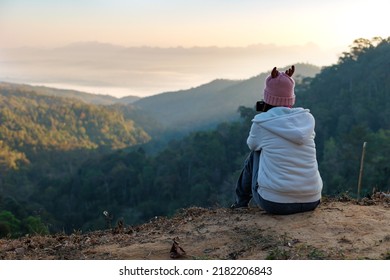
(181, 111)
(142, 71)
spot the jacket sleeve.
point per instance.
(254, 138)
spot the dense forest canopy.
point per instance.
(64, 162)
(350, 101)
(44, 137)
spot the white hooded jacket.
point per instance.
(288, 169)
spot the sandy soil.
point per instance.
(335, 230)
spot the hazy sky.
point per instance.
(171, 23)
(315, 31)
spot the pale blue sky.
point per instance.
(167, 23)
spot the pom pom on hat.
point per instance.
(279, 89)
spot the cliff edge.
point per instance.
(337, 229)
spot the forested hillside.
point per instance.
(44, 138)
(70, 188)
(206, 106)
(351, 102)
(40, 121)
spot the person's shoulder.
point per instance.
(303, 114)
(301, 110)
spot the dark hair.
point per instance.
(261, 106)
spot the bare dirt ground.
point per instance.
(342, 229)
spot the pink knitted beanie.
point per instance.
(279, 91)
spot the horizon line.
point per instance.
(115, 44)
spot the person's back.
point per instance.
(288, 170)
(283, 165)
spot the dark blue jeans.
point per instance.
(246, 189)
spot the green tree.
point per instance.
(34, 225)
(9, 225)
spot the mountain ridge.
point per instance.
(146, 70)
(89, 98)
(180, 109)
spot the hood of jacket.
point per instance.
(294, 124)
